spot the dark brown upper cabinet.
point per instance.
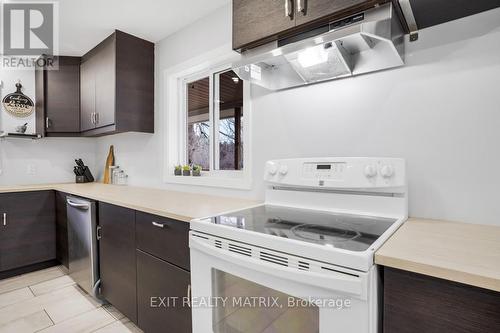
(117, 86)
(432, 12)
(308, 11)
(256, 22)
(58, 97)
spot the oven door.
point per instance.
(238, 287)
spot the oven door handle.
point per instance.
(343, 283)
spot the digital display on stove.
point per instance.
(323, 167)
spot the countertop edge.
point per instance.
(64, 187)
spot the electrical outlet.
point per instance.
(31, 169)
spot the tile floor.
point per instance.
(48, 301)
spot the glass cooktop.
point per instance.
(343, 231)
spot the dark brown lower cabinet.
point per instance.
(117, 258)
(62, 248)
(27, 229)
(415, 303)
(157, 280)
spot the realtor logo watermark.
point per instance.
(29, 30)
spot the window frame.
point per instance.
(175, 122)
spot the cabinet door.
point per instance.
(105, 83)
(62, 254)
(255, 20)
(415, 303)
(117, 259)
(158, 279)
(62, 96)
(87, 94)
(3, 227)
(29, 234)
(318, 9)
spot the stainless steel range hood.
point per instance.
(369, 41)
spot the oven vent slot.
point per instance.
(199, 236)
(303, 265)
(240, 249)
(272, 258)
(337, 271)
(218, 244)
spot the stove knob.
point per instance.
(370, 171)
(283, 170)
(387, 171)
(272, 168)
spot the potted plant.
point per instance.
(186, 170)
(178, 170)
(197, 170)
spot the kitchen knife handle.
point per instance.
(301, 6)
(288, 9)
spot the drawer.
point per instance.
(164, 238)
(158, 279)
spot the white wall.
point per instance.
(441, 112)
(50, 160)
(25, 161)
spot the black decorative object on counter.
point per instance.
(82, 172)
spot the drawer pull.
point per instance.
(301, 7)
(4, 219)
(159, 225)
(288, 9)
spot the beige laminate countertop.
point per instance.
(460, 252)
(176, 205)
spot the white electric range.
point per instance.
(302, 262)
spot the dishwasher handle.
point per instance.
(83, 206)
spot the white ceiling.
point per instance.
(84, 23)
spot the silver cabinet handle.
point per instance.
(301, 6)
(98, 232)
(92, 118)
(47, 122)
(77, 205)
(4, 219)
(288, 9)
(97, 118)
(159, 225)
(189, 294)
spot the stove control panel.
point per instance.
(338, 173)
(333, 170)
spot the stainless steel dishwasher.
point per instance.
(82, 243)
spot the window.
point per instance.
(207, 121)
(214, 121)
(198, 123)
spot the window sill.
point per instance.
(240, 183)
